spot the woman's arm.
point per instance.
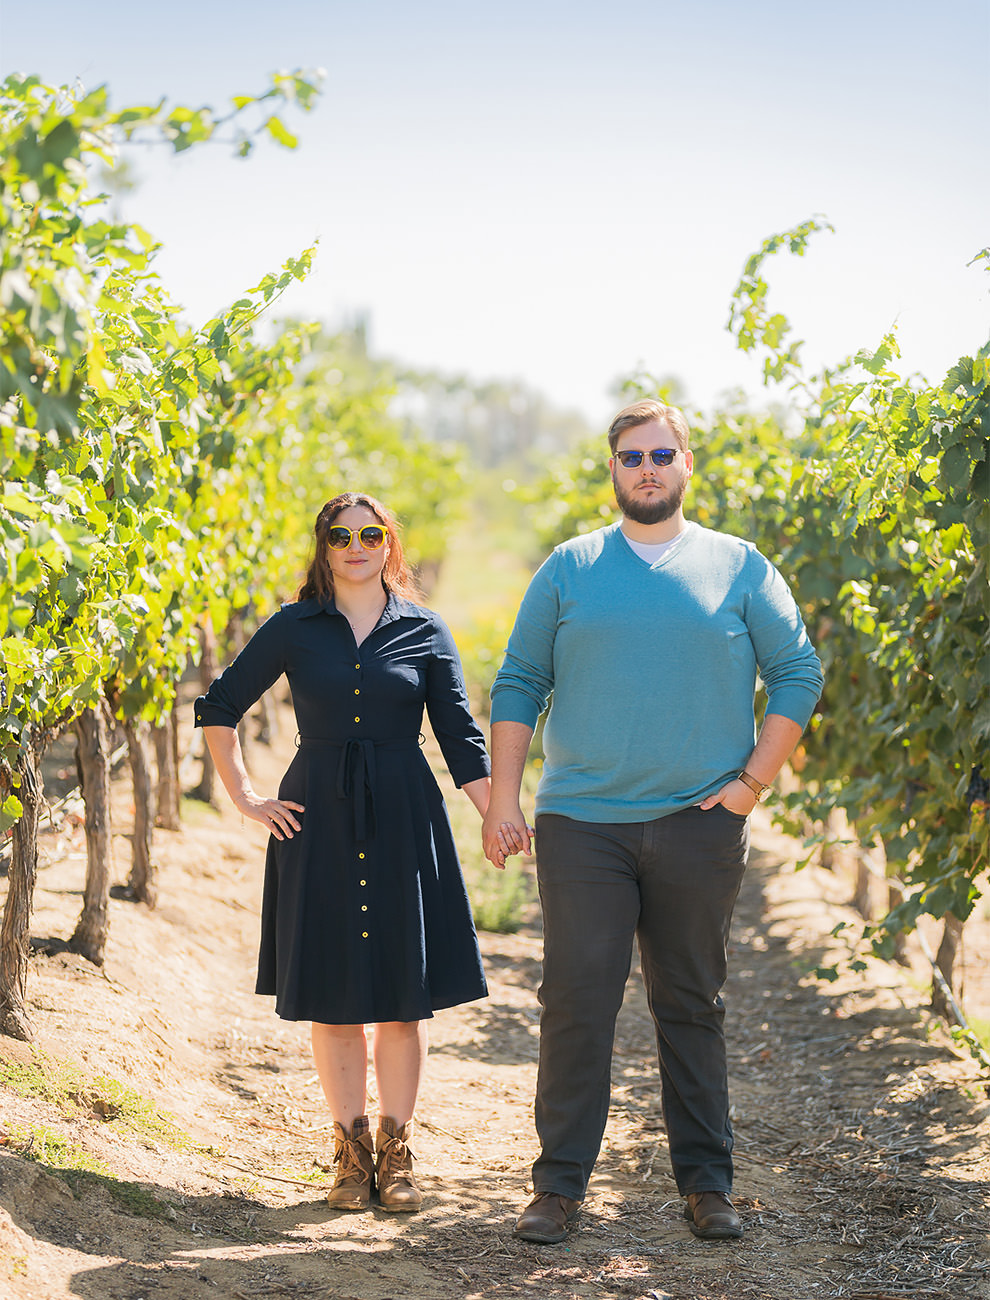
(479, 792)
(276, 814)
(458, 735)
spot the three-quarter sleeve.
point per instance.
(258, 666)
(457, 733)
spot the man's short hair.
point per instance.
(644, 413)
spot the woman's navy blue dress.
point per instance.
(365, 915)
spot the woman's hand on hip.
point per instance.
(275, 814)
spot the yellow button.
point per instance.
(357, 665)
(357, 690)
(357, 719)
(364, 934)
(363, 882)
(360, 855)
(364, 908)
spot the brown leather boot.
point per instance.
(546, 1218)
(713, 1216)
(354, 1156)
(397, 1188)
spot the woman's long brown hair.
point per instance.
(319, 576)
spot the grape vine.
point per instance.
(159, 481)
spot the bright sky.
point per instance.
(559, 190)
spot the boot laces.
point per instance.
(349, 1166)
(396, 1162)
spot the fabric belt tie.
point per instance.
(356, 773)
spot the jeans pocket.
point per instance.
(739, 817)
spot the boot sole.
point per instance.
(541, 1238)
(546, 1236)
(717, 1234)
(726, 1233)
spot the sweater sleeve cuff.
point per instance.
(794, 702)
(510, 705)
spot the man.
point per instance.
(648, 634)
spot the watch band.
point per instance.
(758, 788)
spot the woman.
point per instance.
(365, 918)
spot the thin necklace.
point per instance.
(365, 618)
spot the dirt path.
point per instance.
(863, 1140)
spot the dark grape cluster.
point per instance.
(978, 791)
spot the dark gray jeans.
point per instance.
(673, 883)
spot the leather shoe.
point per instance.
(546, 1218)
(712, 1216)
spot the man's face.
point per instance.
(650, 494)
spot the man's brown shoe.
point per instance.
(546, 1218)
(712, 1216)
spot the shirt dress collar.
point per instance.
(395, 607)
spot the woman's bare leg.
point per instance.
(340, 1053)
(400, 1049)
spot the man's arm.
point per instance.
(792, 675)
(777, 740)
(520, 693)
(504, 829)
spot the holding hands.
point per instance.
(504, 832)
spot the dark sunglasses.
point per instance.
(370, 537)
(633, 459)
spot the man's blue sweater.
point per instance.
(652, 670)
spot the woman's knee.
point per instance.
(337, 1033)
(399, 1029)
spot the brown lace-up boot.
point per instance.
(397, 1188)
(354, 1156)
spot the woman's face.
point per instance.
(357, 564)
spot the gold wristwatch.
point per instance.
(758, 788)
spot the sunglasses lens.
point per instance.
(372, 537)
(633, 459)
(339, 538)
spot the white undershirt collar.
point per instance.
(652, 551)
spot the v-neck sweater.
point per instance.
(650, 670)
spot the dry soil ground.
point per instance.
(863, 1134)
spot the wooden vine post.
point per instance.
(209, 669)
(142, 884)
(15, 946)
(93, 762)
(169, 794)
(945, 960)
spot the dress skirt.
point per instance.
(365, 915)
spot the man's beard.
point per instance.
(655, 511)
